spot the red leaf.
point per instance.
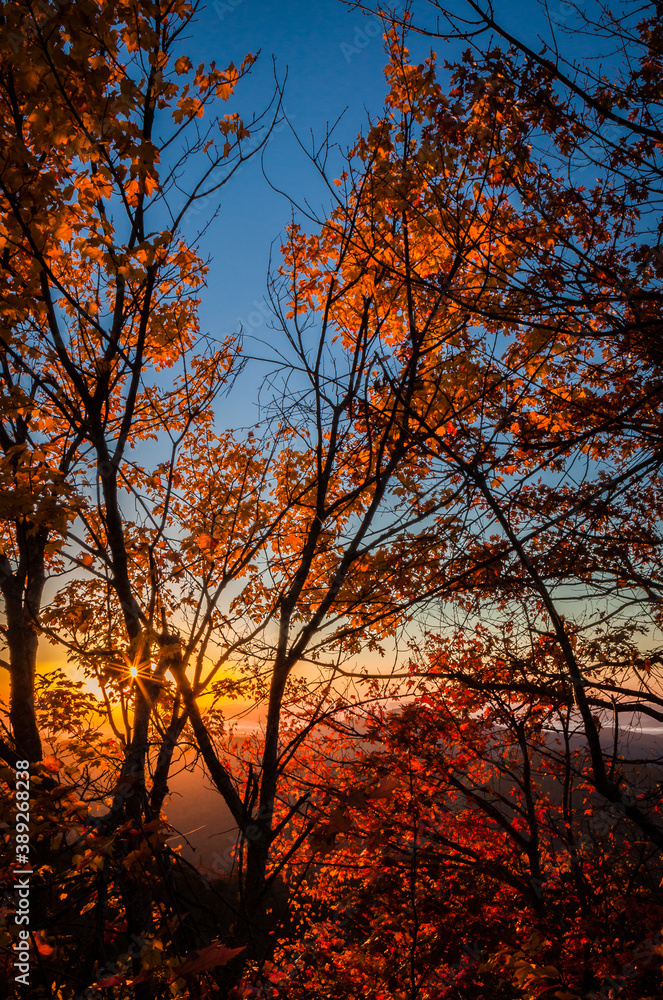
(215, 954)
(110, 981)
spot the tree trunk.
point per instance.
(23, 641)
(22, 591)
(164, 760)
(255, 897)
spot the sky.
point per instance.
(331, 60)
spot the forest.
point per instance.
(427, 570)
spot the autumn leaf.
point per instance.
(207, 958)
(116, 980)
(43, 947)
(384, 788)
(52, 764)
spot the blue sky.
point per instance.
(334, 59)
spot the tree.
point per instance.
(438, 387)
(321, 531)
(421, 274)
(572, 329)
(424, 857)
(94, 296)
(100, 117)
(534, 300)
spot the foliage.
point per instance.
(461, 454)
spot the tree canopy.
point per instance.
(455, 475)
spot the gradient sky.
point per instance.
(334, 59)
(327, 72)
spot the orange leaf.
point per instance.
(182, 65)
(51, 764)
(43, 947)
